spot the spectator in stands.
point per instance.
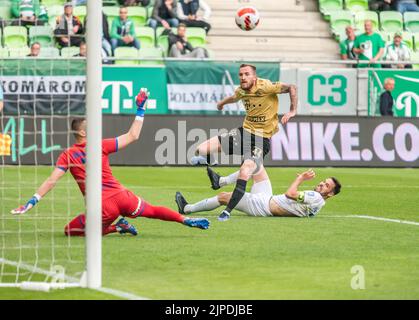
(398, 51)
(188, 14)
(181, 48)
(106, 38)
(69, 29)
(28, 13)
(35, 49)
(369, 46)
(83, 50)
(381, 5)
(1, 98)
(123, 31)
(164, 14)
(131, 3)
(407, 5)
(386, 99)
(347, 45)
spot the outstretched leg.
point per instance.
(166, 214)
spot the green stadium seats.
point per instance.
(196, 37)
(15, 36)
(126, 52)
(408, 39)
(356, 5)
(361, 16)
(146, 36)
(387, 36)
(53, 12)
(68, 52)
(149, 12)
(163, 40)
(19, 52)
(416, 41)
(42, 34)
(49, 52)
(391, 21)
(138, 15)
(339, 20)
(327, 6)
(4, 53)
(80, 11)
(148, 53)
(111, 13)
(5, 13)
(411, 21)
(415, 57)
(54, 2)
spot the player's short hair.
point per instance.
(76, 125)
(244, 65)
(337, 187)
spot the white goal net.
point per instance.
(41, 97)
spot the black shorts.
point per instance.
(241, 142)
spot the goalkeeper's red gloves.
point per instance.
(141, 100)
(28, 206)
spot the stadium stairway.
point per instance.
(289, 29)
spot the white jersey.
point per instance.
(307, 204)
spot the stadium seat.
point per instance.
(19, 52)
(408, 39)
(69, 52)
(53, 12)
(80, 11)
(391, 21)
(4, 53)
(146, 36)
(49, 52)
(42, 34)
(163, 40)
(138, 15)
(361, 16)
(356, 5)
(149, 12)
(5, 12)
(196, 37)
(387, 36)
(148, 53)
(54, 2)
(15, 36)
(327, 6)
(416, 41)
(111, 12)
(126, 52)
(415, 57)
(339, 20)
(411, 21)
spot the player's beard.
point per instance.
(247, 85)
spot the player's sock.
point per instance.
(161, 213)
(230, 179)
(109, 229)
(237, 195)
(204, 205)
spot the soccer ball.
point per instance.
(247, 18)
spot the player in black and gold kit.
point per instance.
(252, 140)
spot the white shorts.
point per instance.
(255, 204)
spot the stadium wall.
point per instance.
(171, 140)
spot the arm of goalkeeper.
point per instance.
(41, 192)
(134, 132)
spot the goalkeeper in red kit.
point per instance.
(116, 200)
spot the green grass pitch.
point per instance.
(244, 258)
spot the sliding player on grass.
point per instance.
(293, 203)
(252, 140)
(116, 200)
